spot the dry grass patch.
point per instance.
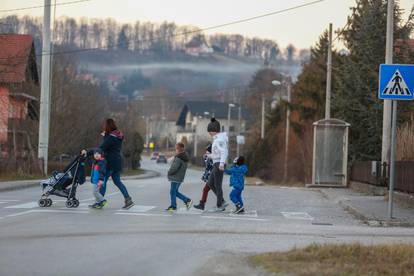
(353, 259)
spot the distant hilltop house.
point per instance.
(400, 43)
(196, 115)
(198, 47)
(19, 92)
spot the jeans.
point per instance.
(174, 193)
(236, 196)
(116, 178)
(97, 194)
(215, 182)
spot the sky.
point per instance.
(301, 27)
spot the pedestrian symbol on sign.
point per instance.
(397, 86)
(396, 82)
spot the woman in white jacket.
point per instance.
(219, 155)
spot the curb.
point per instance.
(19, 185)
(373, 222)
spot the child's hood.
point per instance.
(222, 136)
(117, 134)
(183, 156)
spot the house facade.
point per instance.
(196, 115)
(19, 92)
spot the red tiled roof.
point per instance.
(15, 51)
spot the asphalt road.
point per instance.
(149, 241)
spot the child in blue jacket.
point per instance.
(237, 174)
(98, 173)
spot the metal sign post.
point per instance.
(396, 82)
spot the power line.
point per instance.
(193, 31)
(42, 6)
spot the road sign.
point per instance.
(396, 82)
(240, 140)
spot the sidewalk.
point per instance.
(22, 184)
(373, 210)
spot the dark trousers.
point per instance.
(204, 196)
(215, 182)
(236, 196)
(116, 178)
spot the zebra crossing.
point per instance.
(31, 207)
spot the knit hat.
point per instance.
(213, 126)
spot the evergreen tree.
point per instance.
(355, 100)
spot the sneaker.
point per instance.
(218, 209)
(171, 209)
(225, 204)
(103, 203)
(239, 209)
(96, 205)
(188, 204)
(200, 206)
(128, 203)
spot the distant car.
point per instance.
(162, 159)
(154, 155)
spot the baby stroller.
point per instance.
(64, 184)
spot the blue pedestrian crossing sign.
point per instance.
(396, 82)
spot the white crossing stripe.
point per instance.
(234, 218)
(2, 202)
(145, 214)
(28, 205)
(247, 213)
(138, 209)
(8, 200)
(192, 211)
(297, 215)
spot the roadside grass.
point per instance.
(16, 177)
(341, 260)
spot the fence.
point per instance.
(375, 173)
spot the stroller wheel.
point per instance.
(49, 202)
(75, 203)
(42, 202)
(69, 203)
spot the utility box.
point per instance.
(330, 153)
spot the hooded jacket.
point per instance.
(237, 174)
(112, 147)
(98, 171)
(219, 149)
(178, 168)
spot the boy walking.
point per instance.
(98, 173)
(219, 154)
(176, 175)
(207, 171)
(237, 174)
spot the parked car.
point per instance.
(154, 155)
(162, 159)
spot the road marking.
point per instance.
(185, 211)
(46, 211)
(9, 200)
(251, 214)
(28, 205)
(234, 218)
(19, 214)
(2, 202)
(144, 214)
(138, 209)
(297, 215)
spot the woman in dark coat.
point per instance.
(112, 146)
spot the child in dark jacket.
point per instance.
(237, 173)
(208, 162)
(176, 175)
(98, 173)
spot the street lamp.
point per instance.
(229, 115)
(278, 83)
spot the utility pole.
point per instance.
(389, 136)
(262, 132)
(387, 112)
(239, 129)
(329, 77)
(44, 120)
(285, 171)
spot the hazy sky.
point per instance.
(300, 27)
